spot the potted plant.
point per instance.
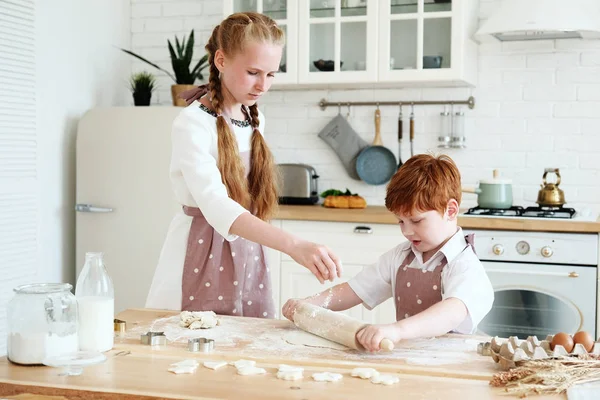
(142, 84)
(181, 60)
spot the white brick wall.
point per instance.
(537, 106)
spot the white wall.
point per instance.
(79, 67)
(538, 105)
(76, 68)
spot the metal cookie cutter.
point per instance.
(201, 344)
(154, 339)
(120, 326)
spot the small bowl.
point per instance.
(432, 62)
(326, 65)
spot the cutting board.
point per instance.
(453, 356)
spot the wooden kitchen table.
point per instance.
(440, 368)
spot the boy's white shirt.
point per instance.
(463, 278)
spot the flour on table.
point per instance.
(214, 364)
(364, 373)
(251, 370)
(303, 338)
(198, 319)
(327, 377)
(385, 379)
(290, 373)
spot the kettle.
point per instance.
(550, 195)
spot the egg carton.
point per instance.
(508, 353)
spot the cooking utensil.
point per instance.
(550, 195)
(493, 193)
(400, 137)
(201, 344)
(377, 141)
(412, 129)
(342, 328)
(154, 338)
(376, 164)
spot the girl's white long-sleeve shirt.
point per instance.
(196, 182)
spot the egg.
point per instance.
(585, 339)
(563, 339)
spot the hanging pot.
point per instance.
(493, 193)
(142, 98)
(376, 164)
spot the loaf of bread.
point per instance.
(345, 202)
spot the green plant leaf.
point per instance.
(142, 82)
(189, 49)
(179, 46)
(171, 51)
(181, 59)
(131, 53)
(332, 192)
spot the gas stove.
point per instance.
(524, 212)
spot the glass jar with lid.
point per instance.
(41, 322)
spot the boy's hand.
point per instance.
(290, 307)
(370, 337)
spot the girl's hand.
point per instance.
(290, 307)
(318, 259)
(370, 337)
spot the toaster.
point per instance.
(299, 184)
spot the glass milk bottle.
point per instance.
(96, 299)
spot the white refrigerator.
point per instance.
(124, 200)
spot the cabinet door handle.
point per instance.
(92, 208)
(363, 230)
(540, 273)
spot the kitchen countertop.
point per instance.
(380, 215)
(441, 368)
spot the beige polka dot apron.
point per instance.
(418, 289)
(229, 278)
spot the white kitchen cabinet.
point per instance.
(343, 32)
(299, 282)
(415, 34)
(357, 244)
(285, 13)
(373, 43)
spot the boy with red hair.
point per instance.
(437, 282)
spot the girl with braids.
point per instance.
(223, 175)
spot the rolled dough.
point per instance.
(303, 338)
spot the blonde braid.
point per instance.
(229, 162)
(263, 191)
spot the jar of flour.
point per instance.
(41, 322)
(96, 298)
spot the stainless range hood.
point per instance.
(518, 20)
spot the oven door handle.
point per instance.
(572, 274)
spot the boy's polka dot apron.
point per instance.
(418, 289)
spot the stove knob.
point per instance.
(498, 249)
(547, 251)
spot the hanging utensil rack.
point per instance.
(469, 102)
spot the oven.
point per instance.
(544, 282)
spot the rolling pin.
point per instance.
(333, 326)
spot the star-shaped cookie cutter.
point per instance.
(154, 339)
(201, 344)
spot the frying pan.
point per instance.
(376, 164)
